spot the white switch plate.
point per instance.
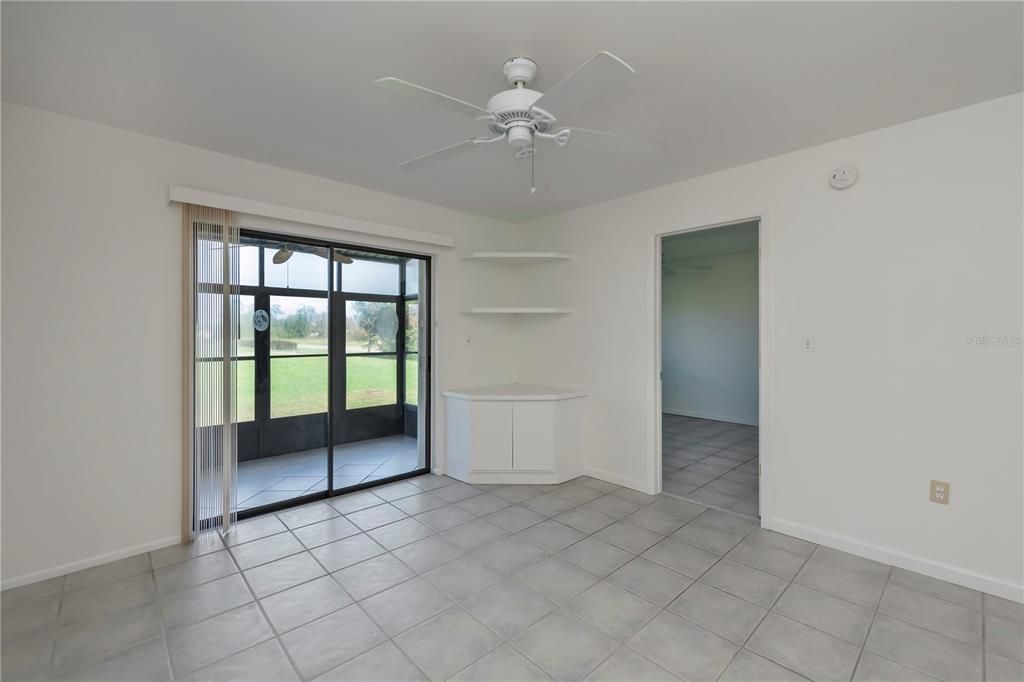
(808, 344)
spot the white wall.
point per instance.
(709, 338)
(92, 325)
(891, 276)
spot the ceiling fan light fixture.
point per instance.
(282, 256)
(520, 135)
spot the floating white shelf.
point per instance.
(518, 311)
(517, 256)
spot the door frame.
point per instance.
(276, 233)
(652, 332)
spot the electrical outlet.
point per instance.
(939, 492)
(808, 344)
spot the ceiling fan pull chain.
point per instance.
(533, 186)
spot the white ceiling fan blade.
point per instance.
(438, 154)
(599, 73)
(439, 98)
(604, 133)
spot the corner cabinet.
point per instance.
(513, 433)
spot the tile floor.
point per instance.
(273, 479)
(711, 462)
(432, 578)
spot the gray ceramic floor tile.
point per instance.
(682, 648)
(585, 520)
(265, 661)
(464, 577)
(41, 616)
(456, 491)
(809, 652)
(653, 582)
(576, 492)
(613, 505)
(612, 610)
(324, 644)
(747, 583)
(680, 557)
(772, 539)
(475, 534)
(767, 558)
(254, 529)
(551, 535)
(517, 494)
(384, 663)
(186, 574)
(629, 537)
(855, 587)
(316, 534)
(718, 611)
(706, 537)
(283, 573)
(307, 514)
(89, 641)
(1004, 609)
(406, 605)
(304, 603)
(548, 504)
(999, 669)
(508, 608)
(203, 601)
(431, 481)
(556, 579)
(749, 667)
(936, 588)
(596, 556)
(1004, 638)
(564, 646)
(375, 517)
(428, 553)
(18, 597)
(29, 660)
(481, 505)
(417, 504)
(626, 664)
(851, 562)
(502, 665)
(731, 523)
(836, 617)
(920, 649)
(343, 553)
(203, 643)
(874, 668)
(394, 535)
(515, 518)
(373, 575)
(265, 550)
(448, 643)
(147, 661)
(396, 491)
(932, 614)
(107, 573)
(655, 520)
(446, 517)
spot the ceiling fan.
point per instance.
(283, 254)
(521, 115)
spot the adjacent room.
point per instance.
(709, 366)
(512, 341)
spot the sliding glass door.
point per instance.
(332, 393)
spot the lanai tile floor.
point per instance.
(283, 477)
(711, 462)
(435, 579)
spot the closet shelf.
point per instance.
(518, 256)
(518, 311)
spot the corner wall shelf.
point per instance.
(517, 256)
(518, 311)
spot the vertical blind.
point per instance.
(210, 242)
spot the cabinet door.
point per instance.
(491, 440)
(533, 436)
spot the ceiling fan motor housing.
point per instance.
(512, 115)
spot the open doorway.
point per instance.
(710, 318)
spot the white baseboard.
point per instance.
(910, 562)
(617, 479)
(705, 415)
(71, 567)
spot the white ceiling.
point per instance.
(290, 84)
(717, 241)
